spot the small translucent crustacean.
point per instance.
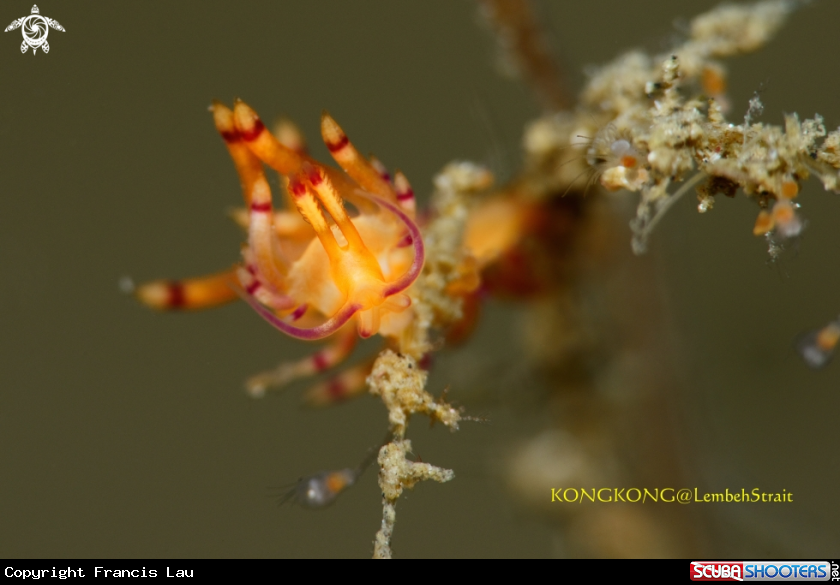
(319, 490)
(782, 218)
(817, 347)
(616, 161)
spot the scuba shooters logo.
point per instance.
(35, 29)
(713, 571)
(761, 571)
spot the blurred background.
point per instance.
(126, 433)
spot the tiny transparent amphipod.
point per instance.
(321, 489)
(817, 347)
(616, 160)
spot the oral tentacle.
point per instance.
(306, 203)
(249, 280)
(332, 202)
(331, 355)
(410, 275)
(349, 159)
(248, 166)
(257, 194)
(262, 143)
(380, 168)
(369, 322)
(262, 239)
(289, 135)
(405, 194)
(188, 294)
(326, 329)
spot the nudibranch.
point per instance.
(314, 266)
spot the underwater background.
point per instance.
(127, 433)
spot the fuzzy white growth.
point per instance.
(433, 307)
(398, 473)
(401, 384)
(645, 105)
(756, 108)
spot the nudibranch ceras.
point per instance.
(308, 272)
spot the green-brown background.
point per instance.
(125, 433)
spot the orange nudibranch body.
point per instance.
(352, 267)
(311, 268)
